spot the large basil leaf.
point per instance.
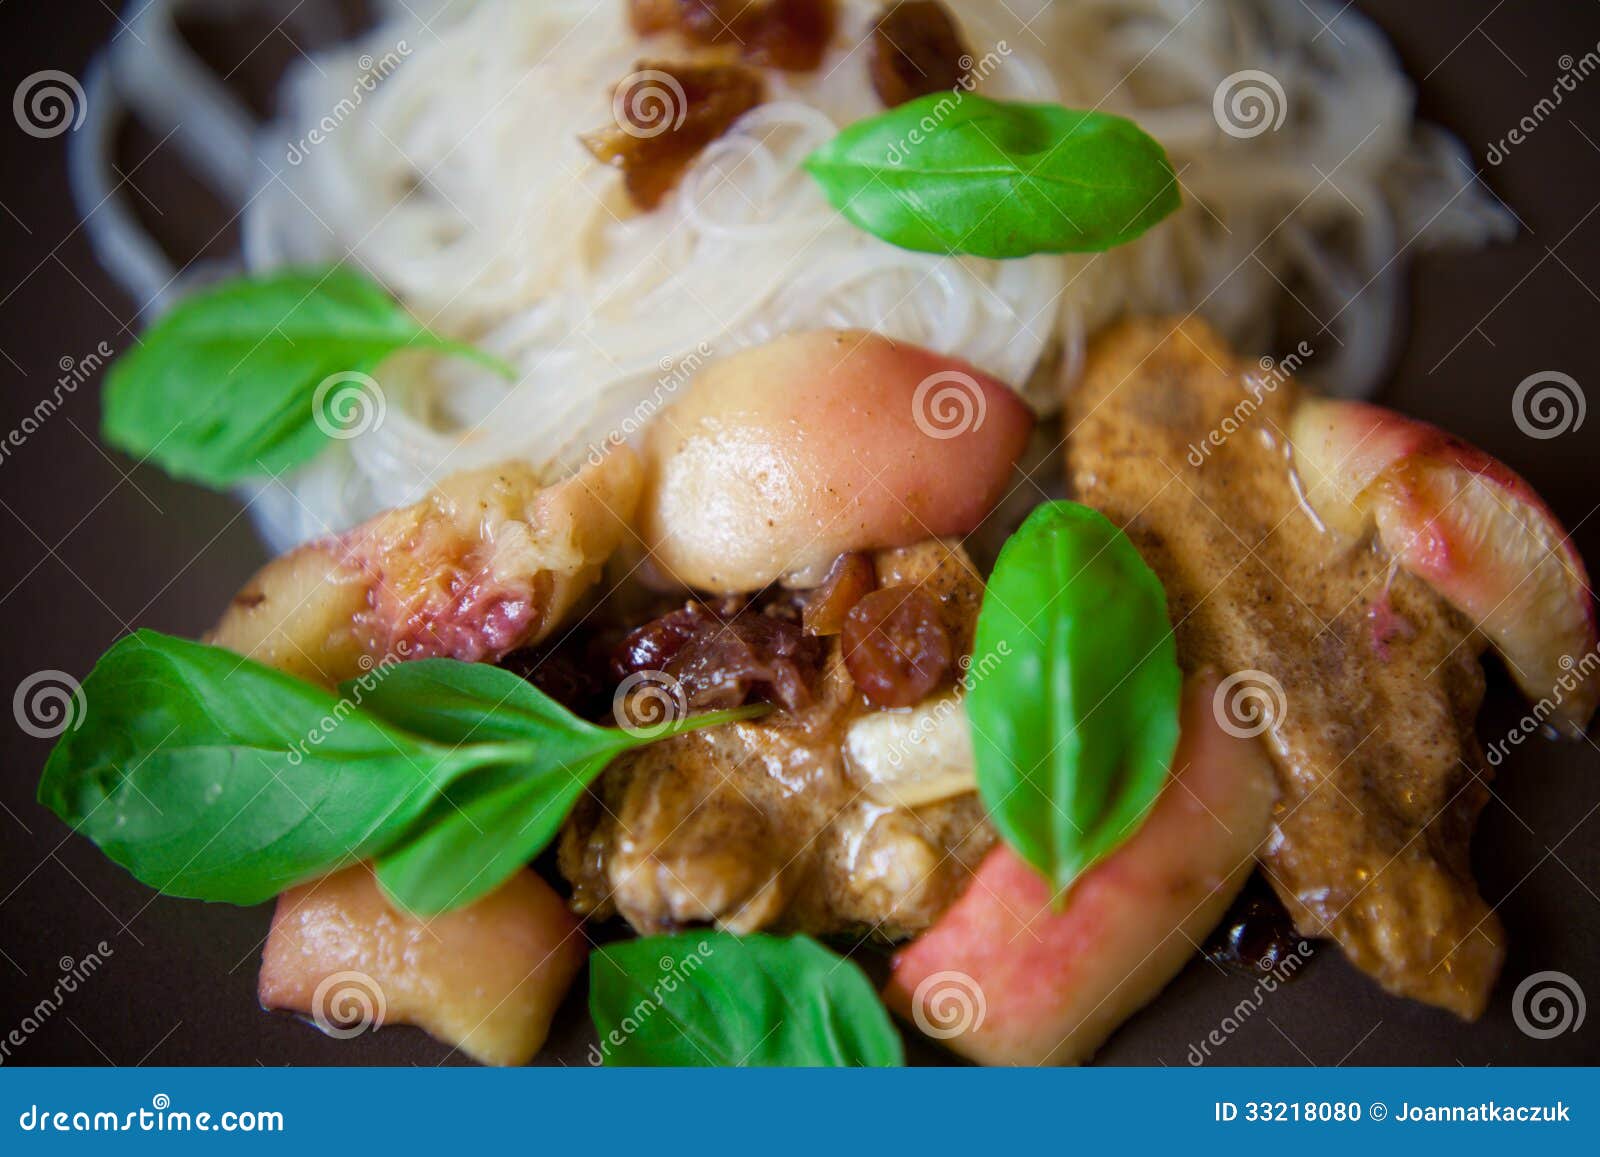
(957, 173)
(211, 776)
(488, 825)
(1075, 715)
(223, 387)
(713, 999)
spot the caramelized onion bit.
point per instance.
(724, 663)
(787, 34)
(669, 113)
(916, 48)
(896, 646)
(849, 580)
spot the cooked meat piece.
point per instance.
(490, 561)
(668, 113)
(768, 823)
(1382, 777)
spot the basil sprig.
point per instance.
(957, 173)
(485, 827)
(225, 386)
(1075, 715)
(213, 777)
(714, 999)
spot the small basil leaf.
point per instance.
(210, 776)
(224, 386)
(957, 173)
(1075, 721)
(489, 825)
(714, 999)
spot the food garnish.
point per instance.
(240, 381)
(790, 35)
(666, 113)
(916, 48)
(896, 646)
(957, 173)
(710, 998)
(212, 777)
(1075, 717)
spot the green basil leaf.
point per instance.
(452, 702)
(224, 387)
(714, 999)
(488, 825)
(1075, 719)
(210, 776)
(957, 173)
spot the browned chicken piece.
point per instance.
(799, 821)
(1382, 776)
(490, 561)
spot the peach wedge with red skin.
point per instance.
(1467, 525)
(486, 978)
(1053, 985)
(782, 457)
(491, 560)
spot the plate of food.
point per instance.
(814, 532)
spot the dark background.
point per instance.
(93, 548)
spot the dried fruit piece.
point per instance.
(787, 34)
(850, 579)
(916, 48)
(666, 114)
(896, 647)
(723, 663)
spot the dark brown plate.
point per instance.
(93, 548)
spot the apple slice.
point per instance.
(1467, 525)
(1002, 978)
(492, 560)
(486, 978)
(783, 457)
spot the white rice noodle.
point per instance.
(459, 182)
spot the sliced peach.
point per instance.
(1467, 525)
(782, 457)
(486, 978)
(492, 560)
(1003, 978)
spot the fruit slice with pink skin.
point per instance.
(1467, 525)
(1055, 984)
(486, 978)
(780, 458)
(490, 561)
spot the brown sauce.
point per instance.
(1380, 772)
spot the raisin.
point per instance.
(916, 48)
(849, 580)
(669, 113)
(896, 646)
(725, 663)
(791, 35)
